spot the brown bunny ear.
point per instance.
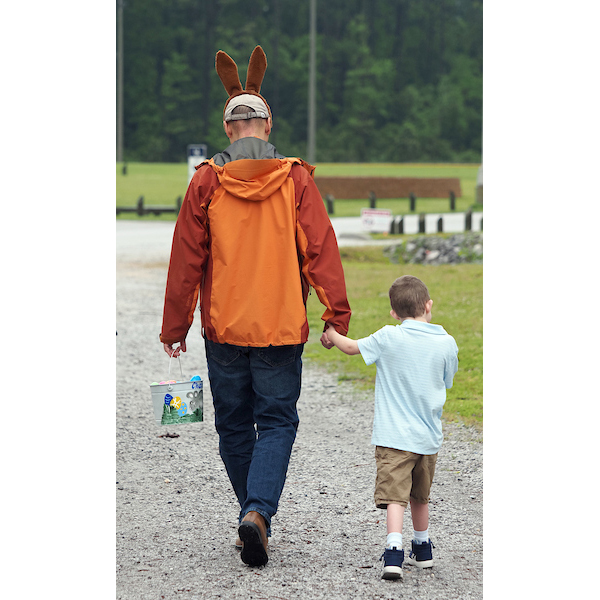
(228, 73)
(256, 70)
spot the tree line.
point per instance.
(397, 80)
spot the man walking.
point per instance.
(251, 238)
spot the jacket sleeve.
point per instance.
(189, 254)
(317, 244)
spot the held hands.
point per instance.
(174, 352)
(330, 332)
(325, 341)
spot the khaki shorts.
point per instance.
(402, 476)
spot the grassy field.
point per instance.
(457, 292)
(162, 183)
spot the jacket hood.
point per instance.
(252, 179)
(249, 147)
(252, 169)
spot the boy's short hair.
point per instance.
(408, 296)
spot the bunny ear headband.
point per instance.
(250, 96)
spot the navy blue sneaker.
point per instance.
(421, 555)
(392, 563)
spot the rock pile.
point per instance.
(436, 250)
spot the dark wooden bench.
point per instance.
(351, 188)
(347, 188)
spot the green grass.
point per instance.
(159, 183)
(162, 183)
(457, 292)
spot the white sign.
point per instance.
(196, 153)
(376, 220)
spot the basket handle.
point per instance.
(180, 369)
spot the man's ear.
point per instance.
(227, 129)
(268, 126)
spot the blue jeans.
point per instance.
(255, 386)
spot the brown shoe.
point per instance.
(253, 534)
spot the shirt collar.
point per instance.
(421, 326)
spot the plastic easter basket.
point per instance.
(177, 402)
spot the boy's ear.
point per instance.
(428, 305)
(393, 313)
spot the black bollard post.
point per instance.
(397, 225)
(329, 199)
(440, 225)
(372, 199)
(178, 205)
(422, 223)
(413, 202)
(452, 201)
(140, 206)
(468, 220)
(124, 168)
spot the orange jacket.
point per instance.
(250, 238)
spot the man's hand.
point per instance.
(174, 352)
(326, 342)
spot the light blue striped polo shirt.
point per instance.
(416, 363)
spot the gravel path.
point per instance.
(177, 513)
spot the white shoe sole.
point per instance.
(392, 573)
(421, 564)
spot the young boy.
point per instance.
(416, 362)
